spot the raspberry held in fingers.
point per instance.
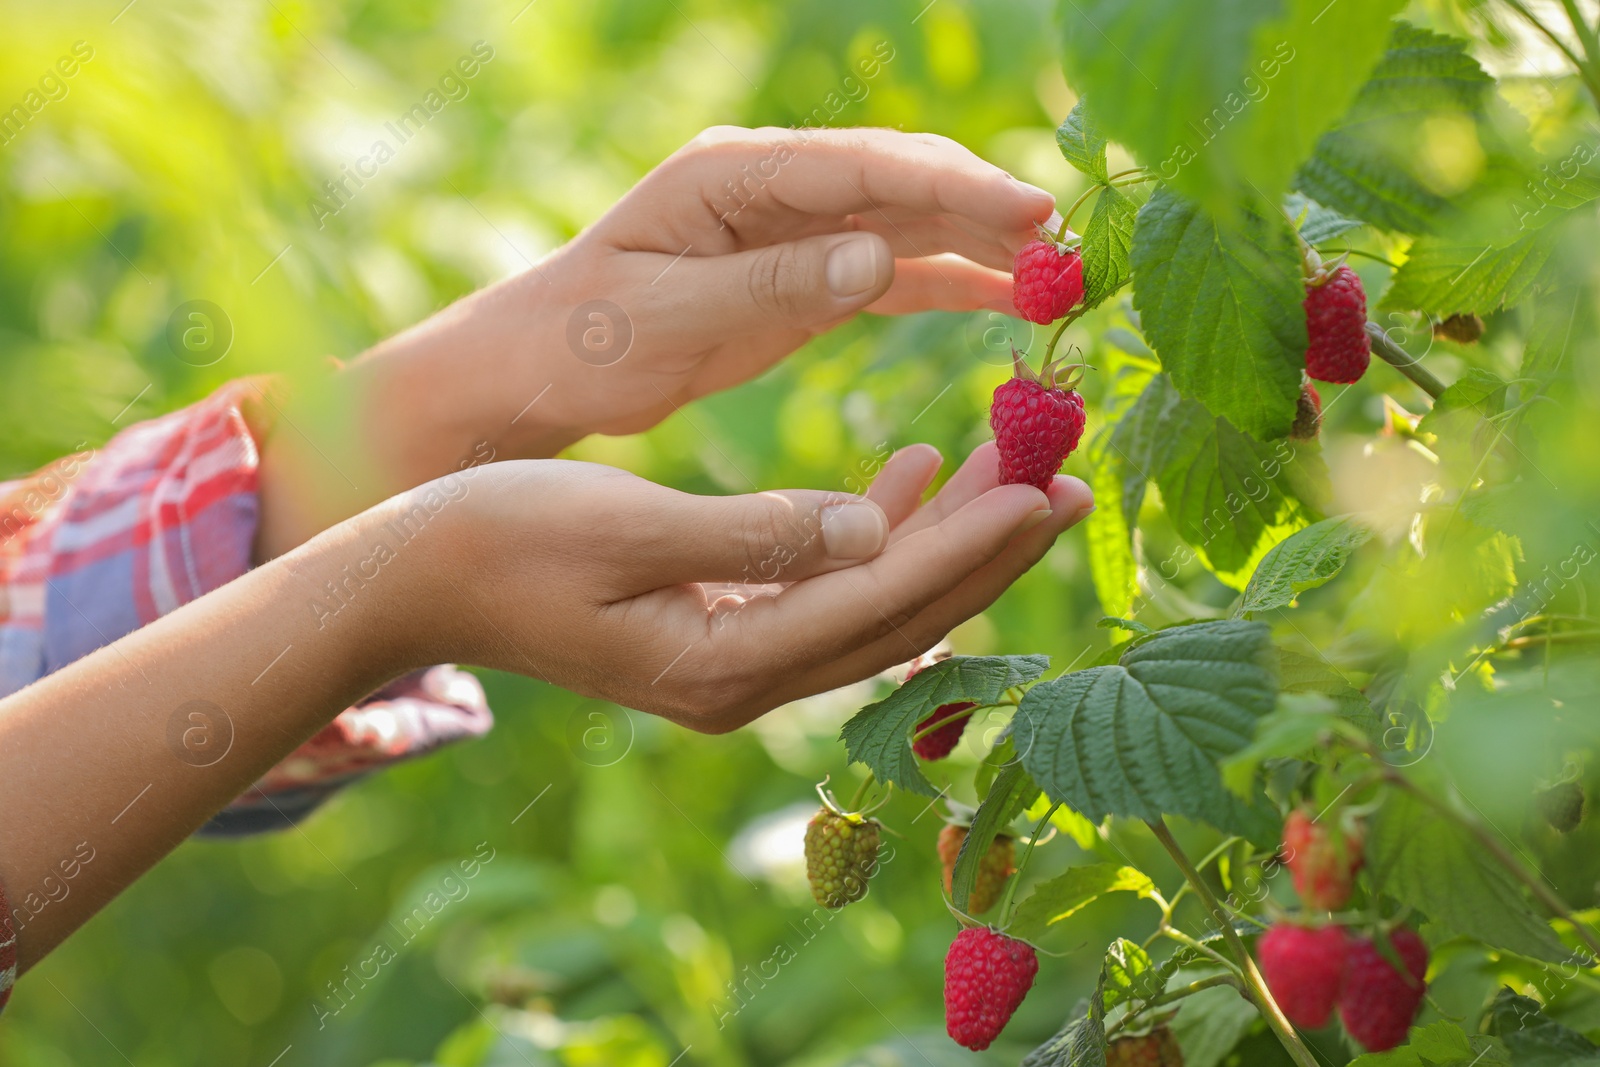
(1036, 427)
(1047, 281)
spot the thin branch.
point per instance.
(1172, 996)
(1582, 68)
(1255, 985)
(1586, 35)
(1492, 845)
(1402, 361)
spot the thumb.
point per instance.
(761, 538)
(799, 284)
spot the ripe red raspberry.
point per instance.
(1304, 968)
(1307, 414)
(1379, 1003)
(986, 975)
(1036, 426)
(938, 743)
(1158, 1048)
(1046, 281)
(942, 741)
(1322, 860)
(997, 865)
(1336, 322)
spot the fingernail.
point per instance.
(1082, 513)
(853, 266)
(853, 531)
(1034, 518)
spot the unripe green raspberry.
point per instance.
(841, 854)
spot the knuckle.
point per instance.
(777, 280)
(765, 532)
(716, 136)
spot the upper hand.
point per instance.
(744, 244)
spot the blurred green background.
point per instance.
(638, 871)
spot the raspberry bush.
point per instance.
(1335, 803)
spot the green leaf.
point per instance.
(1449, 276)
(1556, 321)
(1535, 1040)
(996, 811)
(1105, 246)
(1223, 309)
(1210, 1023)
(1226, 98)
(1229, 496)
(1294, 729)
(1070, 892)
(1367, 165)
(1436, 867)
(1302, 674)
(1136, 444)
(1142, 738)
(1301, 561)
(1109, 527)
(879, 735)
(1128, 973)
(1317, 223)
(1478, 392)
(1441, 1044)
(1082, 144)
(1080, 1043)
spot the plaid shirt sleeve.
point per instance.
(101, 542)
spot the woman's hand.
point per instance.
(712, 610)
(723, 260)
(746, 243)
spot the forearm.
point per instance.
(456, 390)
(105, 751)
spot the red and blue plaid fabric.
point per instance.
(104, 541)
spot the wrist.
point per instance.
(476, 376)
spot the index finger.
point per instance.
(836, 172)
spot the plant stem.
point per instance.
(1584, 70)
(1135, 176)
(1586, 35)
(1401, 360)
(861, 792)
(947, 720)
(1172, 996)
(1022, 864)
(1558, 637)
(1174, 934)
(1491, 845)
(1391, 264)
(1255, 985)
(1050, 349)
(1066, 219)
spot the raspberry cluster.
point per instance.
(1313, 968)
